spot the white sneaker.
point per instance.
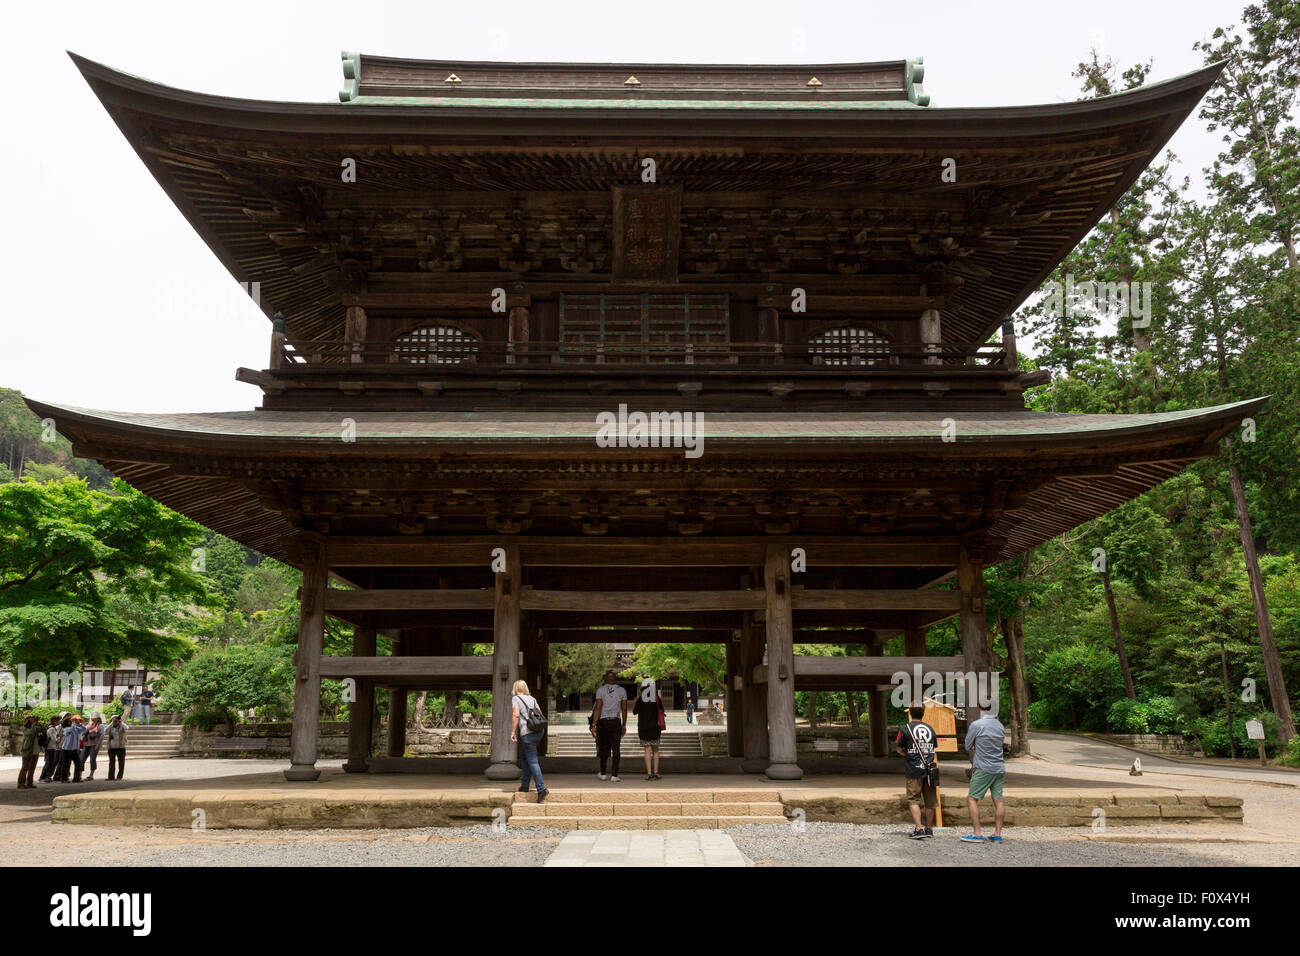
(601, 776)
(616, 779)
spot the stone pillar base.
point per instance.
(503, 771)
(783, 771)
(356, 765)
(302, 772)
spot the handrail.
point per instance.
(835, 357)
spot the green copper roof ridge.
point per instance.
(534, 102)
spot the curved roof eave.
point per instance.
(1170, 97)
(279, 434)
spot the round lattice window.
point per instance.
(436, 345)
(849, 345)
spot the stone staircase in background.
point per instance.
(616, 806)
(684, 743)
(150, 742)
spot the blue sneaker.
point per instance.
(995, 839)
(972, 838)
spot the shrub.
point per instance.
(205, 719)
(1213, 735)
(229, 679)
(1156, 715)
(1074, 687)
(1292, 757)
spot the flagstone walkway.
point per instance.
(646, 848)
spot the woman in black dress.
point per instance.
(650, 720)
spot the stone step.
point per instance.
(584, 810)
(617, 793)
(643, 823)
(581, 745)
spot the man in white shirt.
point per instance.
(609, 723)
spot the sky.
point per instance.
(114, 303)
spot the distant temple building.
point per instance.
(464, 265)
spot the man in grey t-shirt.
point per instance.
(609, 724)
(984, 739)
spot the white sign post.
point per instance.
(1255, 731)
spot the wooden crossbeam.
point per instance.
(614, 551)
(826, 599)
(380, 668)
(643, 635)
(877, 671)
(404, 599)
(531, 599)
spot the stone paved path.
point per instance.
(646, 848)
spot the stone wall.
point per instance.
(333, 741)
(449, 743)
(214, 743)
(1175, 744)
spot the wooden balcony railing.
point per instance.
(833, 358)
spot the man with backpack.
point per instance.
(916, 742)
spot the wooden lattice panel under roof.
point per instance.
(777, 192)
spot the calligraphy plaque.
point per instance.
(647, 227)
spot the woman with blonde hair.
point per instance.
(527, 714)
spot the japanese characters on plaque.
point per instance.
(647, 228)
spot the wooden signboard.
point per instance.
(647, 228)
(944, 721)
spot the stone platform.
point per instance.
(260, 801)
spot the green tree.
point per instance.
(217, 682)
(579, 668)
(703, 664)
(83, 574)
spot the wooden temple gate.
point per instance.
(448, 326)
(764, 605)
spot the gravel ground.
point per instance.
(847, 844)
(429, 847)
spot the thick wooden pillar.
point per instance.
(363, 702)
(914, 641)
(306, 688)
(517, 338)
(780, 663)
(277, 341)
(931, 336)
(877, 717)
(974, 639)
(769, 330)
(543, 690)
(397, 717)
(505, 665)
(354, 330)
(735, 699)
(753, 641)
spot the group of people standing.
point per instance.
(917, 742)
(69, 743)
(608, 724)
(137, 704)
